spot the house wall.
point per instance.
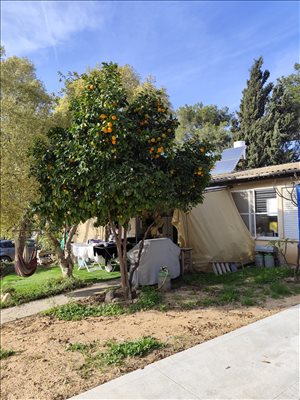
(280, 184)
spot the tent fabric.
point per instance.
(215, 231)
(155, 254)
(87, 231)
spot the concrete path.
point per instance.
(34, 307)
(258, 361)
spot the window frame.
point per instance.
(252, 215)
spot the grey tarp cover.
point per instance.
(156, 253)
(215, 231)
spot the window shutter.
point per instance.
(290, 218)
(261, 197)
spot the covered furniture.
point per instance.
(156, 254)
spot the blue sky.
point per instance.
(199, 51)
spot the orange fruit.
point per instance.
(113, 138)
(109, 129)
(109, 124)
(102, 116)
(113, 117)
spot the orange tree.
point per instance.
(119, 159)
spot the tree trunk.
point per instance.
(122, 256)
(64, 255)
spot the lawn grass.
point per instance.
(248, 287)
(48, 281)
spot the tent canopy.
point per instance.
(215, 231)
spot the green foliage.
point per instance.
(81, 347)
(279, 289)
(252, 109)
(247, 301)
(229, 295)
(292, 84)
(6, 353)
(271, 275)
(148, 299)
(130, 139)
(25, 115)
(49, 288)
(139, 348)
(208, 123)
(116, 353)
(118, 158)
(249, 286)
(76, 311)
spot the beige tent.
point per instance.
(87, 231)
(215, 231)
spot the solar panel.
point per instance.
(229, 160)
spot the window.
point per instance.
(258, 209)
(266, 213)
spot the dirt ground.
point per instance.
(42, 369)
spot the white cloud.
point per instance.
(29, 26)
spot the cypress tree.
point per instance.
(252, 109)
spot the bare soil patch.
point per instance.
(43, 369)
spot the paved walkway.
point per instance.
(34, 307)
(258, 361)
